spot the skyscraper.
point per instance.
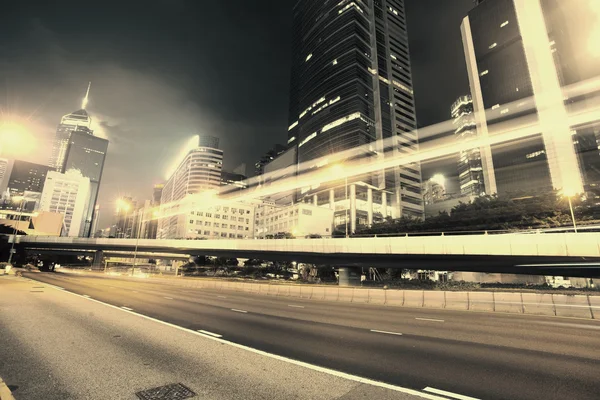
(23, 178)
(521, 57)
(197, 170)
(76, 147)
(87, 153)
(470, 172)
(77, 120)
(350, 86)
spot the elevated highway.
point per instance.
(569, 254)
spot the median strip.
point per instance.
(236, 310)
(449, 394)
(430, 319)
(209, 333)
(386, 332)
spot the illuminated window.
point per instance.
(484, 73)
(308, 138)
(502, 25)
(308, 57)
(504, 111)
(495, 106)
(335, 62)
(290, 140)
(493, 45)
(292, 126)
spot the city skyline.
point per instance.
(243, 139)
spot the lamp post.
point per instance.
(21, 199)
(137, 239)
(339, 169)
(572, 214)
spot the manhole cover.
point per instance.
(174, 391)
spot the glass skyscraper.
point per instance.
(351, 86)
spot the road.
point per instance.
(479, 355)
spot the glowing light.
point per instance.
(340, 121)
(123, 205)
(290, 140)
(190, 145)
(292, 126)
(15, 139)
(308, 57)
(307, 139)
(84, 103)
(439, 179)
(502, 25)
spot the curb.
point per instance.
(5, 393)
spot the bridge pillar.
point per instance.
(98, 262)
(315, 200)
(350, 276)
(352, 208)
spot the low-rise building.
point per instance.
(299, 220)
(39, 223)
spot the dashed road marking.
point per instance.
(236, 310)
(210, 333)
(127, 308)
(449, 394)
(85, 295)
(291, 305)
(169, 298)
(430, 319)
(222, 297)
(386, 332)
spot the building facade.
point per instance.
(299, 220)
(523, 59)
(470, 171)
(351, 90)
(77, 120)
(67, 194)
(199, 171)
(23, 179)
(87, 153)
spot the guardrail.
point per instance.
(549, 304)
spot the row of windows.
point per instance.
(219, 234)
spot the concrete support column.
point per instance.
(332, 199)
(349, 276)
(352, 208)
(384, 204)
(98, 262)
(315, 200)
(370, 206)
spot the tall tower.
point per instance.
(521, 55)
(77, 120)
(470, 171)
(351, 86)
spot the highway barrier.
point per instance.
(561, 305)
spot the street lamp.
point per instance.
(123, 205)
(20, 200)
(137, 239)
(338, 169)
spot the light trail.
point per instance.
(315, 172)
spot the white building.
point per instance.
(67, 194)
(299, 219)
(190, 220)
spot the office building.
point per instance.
(76, 147)
(434, 189)
(87, 153)
(351, 89)
(125, 217)
(267, 158)
(197, 170)
(22, 179)
(238, 181)
(157, 193)
(200, 220)
(299, 220)
(524, 60)
(470, 171)
(3, 168)
(67, 194)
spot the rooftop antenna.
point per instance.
(85, 99)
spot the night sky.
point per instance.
(164, 70)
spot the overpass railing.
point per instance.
(516, 244)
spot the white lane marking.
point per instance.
(170, 298)
(85, 295)
(210, 333)
(291, 305)
(449, 394)
(430, 319)
(127, 308)
(389, 333)
(333, 372)
(222, 297)
(236, 310)
(58, 287)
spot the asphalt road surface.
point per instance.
(468, 354)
